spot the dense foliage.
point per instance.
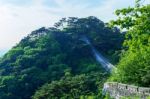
(73, 87)
(43, 59)
(134, 67)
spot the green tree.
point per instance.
(134, 67)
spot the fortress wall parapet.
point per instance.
(119, 90)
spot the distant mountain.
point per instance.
(54, 63)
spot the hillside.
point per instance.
(54, 63)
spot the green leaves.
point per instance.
(133, 67)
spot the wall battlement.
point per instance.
(118, 90)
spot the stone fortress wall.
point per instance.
(118, 90)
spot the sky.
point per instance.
(19, 17)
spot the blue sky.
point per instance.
(19, 17)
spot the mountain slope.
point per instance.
(48, 55)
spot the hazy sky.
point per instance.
(19, 17)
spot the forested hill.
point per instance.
(54, 63)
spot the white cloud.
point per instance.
(18, 21)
